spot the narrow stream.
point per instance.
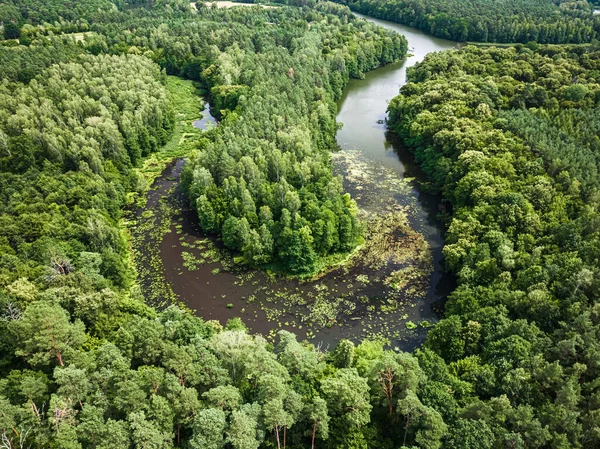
(390, 289)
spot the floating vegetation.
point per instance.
(369, 294)
(363, 279)
(391, 241)
(147, 229)
(190, 261)
(373, 186)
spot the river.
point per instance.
(389, 290)
(364, 136)
(207, 120)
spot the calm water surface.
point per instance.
(362, 110)
(207, 119)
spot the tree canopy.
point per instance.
(509, 137)
(266, 184)
(512, 21)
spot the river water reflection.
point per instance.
(364, 138)
(207, 119)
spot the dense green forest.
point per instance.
(509, 137)
(68, 140)
(23, 18)
(85, 363)
(266, 184)
(542, 21)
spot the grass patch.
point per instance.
(186, 100)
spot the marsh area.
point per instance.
(389, 287)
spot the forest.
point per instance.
(508, 137)
(513, 21)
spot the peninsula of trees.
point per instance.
(265, 184)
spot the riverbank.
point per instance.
(146, 216)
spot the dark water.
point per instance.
(207, 119)
(355, 301)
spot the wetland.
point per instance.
(387, 288)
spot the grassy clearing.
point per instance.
(186, 100)
(79, 37)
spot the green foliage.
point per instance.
(11, 31)
(510, 137)
(510, 21)
(343, 354)
(53, 15)
(46, 336)
(21, 63)
(265, 184)
(347, 398)
(208, 427)
(68, 142)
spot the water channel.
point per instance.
(207, 119)
(392, 296)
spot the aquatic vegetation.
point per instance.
(363, 279)
(147, 231)
(190, 261)
(374, 286)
